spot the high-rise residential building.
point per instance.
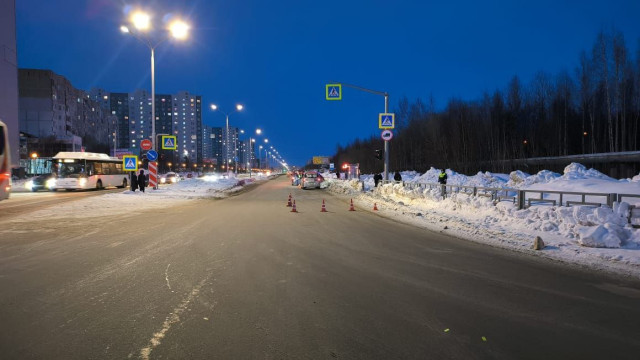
(207, 143)
(119, 107)
(217, 145)
(231, 150)
(139, 118)
(187, 125)
(9, 77)
(50, 107)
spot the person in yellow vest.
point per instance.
(442, 177)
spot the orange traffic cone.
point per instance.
(289, 202)
(294, 207)
(375, 207)
(351, 208)
(324, 209)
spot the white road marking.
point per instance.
(166, 277)
(174, 317)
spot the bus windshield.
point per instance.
(70, 169)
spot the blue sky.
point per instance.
(275, 57)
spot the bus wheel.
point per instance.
(99, 185)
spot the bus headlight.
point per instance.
(28, 185)
(83, 181)
(51, 183)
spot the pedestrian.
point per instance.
(442, 177)
(397, 176)
(377, 178)
(134, 181)
(142, 180)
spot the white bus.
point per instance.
(83, 170)
(5, 163)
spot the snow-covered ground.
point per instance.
(598, 237)
(167, 195)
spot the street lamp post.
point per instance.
(239, 108)
(142, 23)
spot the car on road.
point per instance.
(170, 178)
(311, 180)
(41, 182)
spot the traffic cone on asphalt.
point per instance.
(351, 208)
(375, 207)
(324, 209)
(293, 209)
(289, 202)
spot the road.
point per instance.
(24, 202)
(245, 278)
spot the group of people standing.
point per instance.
(138, 182)
(442, 177)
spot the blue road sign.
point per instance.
(130, 162)
(152, 155)
(169, 142)
(386, 120)
(333, 91)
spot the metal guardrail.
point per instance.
(523, 198)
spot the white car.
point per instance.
(170, 178)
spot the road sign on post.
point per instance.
(386, 120)
(386, 135)
(130, 163)
(169, 142)
(334, 91)
(152, 155)
(146, 144)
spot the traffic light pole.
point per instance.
(386, 110)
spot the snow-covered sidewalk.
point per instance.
(123, 202)
(597, 237)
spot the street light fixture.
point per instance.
(141, 22)
(239, 108)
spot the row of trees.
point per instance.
(595, 108)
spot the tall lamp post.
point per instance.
(239, 108)
(141, 22)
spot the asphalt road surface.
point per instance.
(244, 278)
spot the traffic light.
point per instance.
(378, 154)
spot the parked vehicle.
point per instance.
(5, 163)
(42, 182)
(311, 180)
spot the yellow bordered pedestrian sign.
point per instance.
(334, 91)
(130, 162)
(386, 120)
(169, 142)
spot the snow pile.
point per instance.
(584, 234)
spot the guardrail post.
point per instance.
(521, 199)
(475, 191)
(611, 198)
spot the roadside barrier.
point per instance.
(527, 198)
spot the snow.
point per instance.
(166, 196)
(597, 237)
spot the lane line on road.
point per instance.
(166, 277)
(173, 318)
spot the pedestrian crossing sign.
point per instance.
(130, 162)
(334, 92)
(386, 120)
(169, 142)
